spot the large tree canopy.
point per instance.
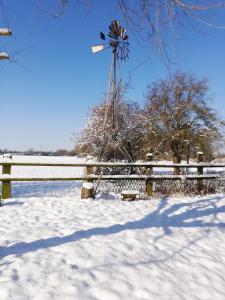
(178, 117)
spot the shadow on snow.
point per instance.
(166, 217)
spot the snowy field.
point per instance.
(55, 246)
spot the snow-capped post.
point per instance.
(87, 190)
(6, 185)
(149, 171)
(200, 170)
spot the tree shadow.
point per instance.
(11, 203)
(166, 217)
(5, 263)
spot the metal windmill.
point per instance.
(117, 40)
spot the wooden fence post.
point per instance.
(176, 160)
(149, 171)
(89, 169)
(6, 185)
(87, 190)
(200, 171)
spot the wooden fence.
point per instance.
(148, 175)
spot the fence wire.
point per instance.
(166, 187)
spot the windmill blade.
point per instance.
(113, 31)
(112, 36)
(126, 53)
(126, 44)
(122, 53)
(119, 54)
(117, 27)
(97, 48)
(124, 34)
(114, 26)
(102, 36)
(111, 28)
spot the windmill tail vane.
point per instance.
(97, 48)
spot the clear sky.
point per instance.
(45, 103)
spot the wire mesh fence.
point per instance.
(166, 187)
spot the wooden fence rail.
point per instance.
(117, 164)
(6, 177)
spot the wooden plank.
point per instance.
(32, 164)
(112, 177)
(155, 177)
(157, 165)
(42, 179)
(117, 164)
(130, 195)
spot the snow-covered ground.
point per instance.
(55, 246)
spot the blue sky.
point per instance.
(44, 104)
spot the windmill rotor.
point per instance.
(117, 39)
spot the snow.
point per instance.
(42, 171)
(54, 246)
(130, 192)
(88, 185)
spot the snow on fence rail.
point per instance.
(6, 177)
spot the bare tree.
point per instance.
(159, 23)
